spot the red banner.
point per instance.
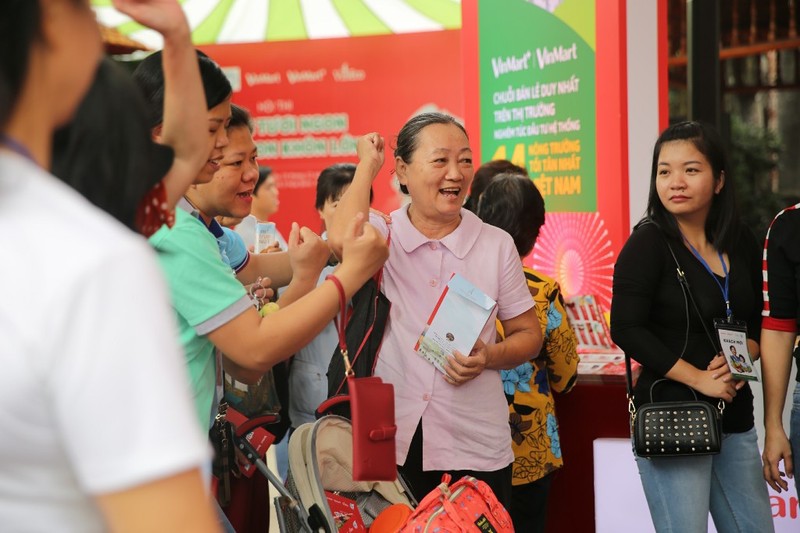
(311, 100)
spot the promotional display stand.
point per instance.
(594, 410)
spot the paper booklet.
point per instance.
(455, 323)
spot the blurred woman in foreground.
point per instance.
(85, 320)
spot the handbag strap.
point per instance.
(685, 286)
(378, 277)
(684, 283)
(341, 323)
(341, 320)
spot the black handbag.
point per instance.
(675, 428)
(364, 335)
(669, 429)
(363, 338)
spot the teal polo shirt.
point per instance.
(205, 295)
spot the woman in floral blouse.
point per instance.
(513, 203)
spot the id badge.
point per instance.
(733, 341)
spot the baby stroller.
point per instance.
(286, 504)
(320, 461)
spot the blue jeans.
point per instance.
(681, 491)
(222, 519)
(282, 455)
(794, 435)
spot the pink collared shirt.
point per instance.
(465, 427)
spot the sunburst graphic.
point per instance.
(575, 249)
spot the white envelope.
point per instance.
(455, 323)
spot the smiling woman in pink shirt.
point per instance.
(455, 422)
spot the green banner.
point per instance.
(537, 76)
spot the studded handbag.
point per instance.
(668, 429)
(675, 428)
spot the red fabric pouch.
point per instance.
(374, 429)
(372, 414)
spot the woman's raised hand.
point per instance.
(307, 252)
(370, 150)
(164, 16)
(365, 250)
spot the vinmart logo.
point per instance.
(347, 73)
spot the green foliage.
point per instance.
(753, 156)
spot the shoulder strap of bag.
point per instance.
(685, 286)
(686, 291)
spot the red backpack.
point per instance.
(466, 506)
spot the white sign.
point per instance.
(620, 504)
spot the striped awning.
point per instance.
(242, 21)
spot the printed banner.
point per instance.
(311, 100)
(537, 78)
(544, 102)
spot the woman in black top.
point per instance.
(691, 206)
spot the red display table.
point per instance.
(597, 407)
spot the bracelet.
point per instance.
(340, 288)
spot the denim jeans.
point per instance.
(222, 519)
(282, 456)
(681, 491)
(794, 435)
